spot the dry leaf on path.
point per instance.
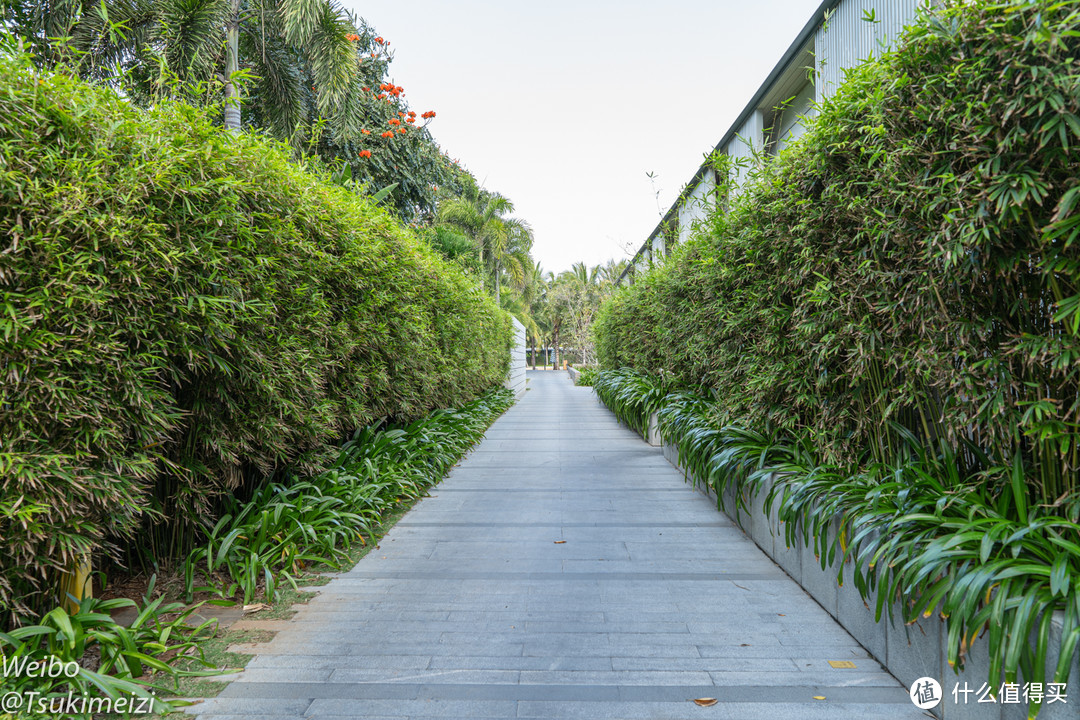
(560, 542)
(705, 702)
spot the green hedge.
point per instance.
(184, 309)
(911, 260)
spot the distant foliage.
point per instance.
(184, 311)
(912, 260)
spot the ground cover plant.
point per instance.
(86, 652)
(285, 529)
(186, 313)
(889, 316)
(587, 375)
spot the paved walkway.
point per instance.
(564, 570)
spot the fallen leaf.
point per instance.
(819, 697)
(745, 645)
(255, 608)
(560, 542)
(705, 702)
(781, 614)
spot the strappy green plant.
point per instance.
(283, 529)
(133, 660)
(920, 534)
(631, 395)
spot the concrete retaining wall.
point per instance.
(909, 652)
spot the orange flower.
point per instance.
(428, 114)
(352, 37)
(401, 130)
(382, 95)
(367, 89)
(366, 132)
(394, 121)
(365, 153)
(401, 114)
(411, 120)
(379, 40)
(388, 133)
(412, 113)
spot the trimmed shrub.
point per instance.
(185, 311)
(911, 260)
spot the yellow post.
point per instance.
(77, 583)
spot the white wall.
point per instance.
(515, 379)
(791, 121)
(749, 139)
(846, 39)
(699, 201)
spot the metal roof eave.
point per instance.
(790, 54)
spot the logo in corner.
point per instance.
(926, 693)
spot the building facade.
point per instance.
(839, 35)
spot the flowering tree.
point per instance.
(302, 71)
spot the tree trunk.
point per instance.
(232, 65)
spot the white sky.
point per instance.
(564, 106)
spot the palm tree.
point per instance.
(574, 299)
(584, 274)
(161, 47)
(611, 271)
(533, 293)
(503, 243)
(511, 256)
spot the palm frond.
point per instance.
(189, 36)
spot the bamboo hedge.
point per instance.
(911, 260)
(184, 312)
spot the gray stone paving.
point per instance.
(563, 570)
